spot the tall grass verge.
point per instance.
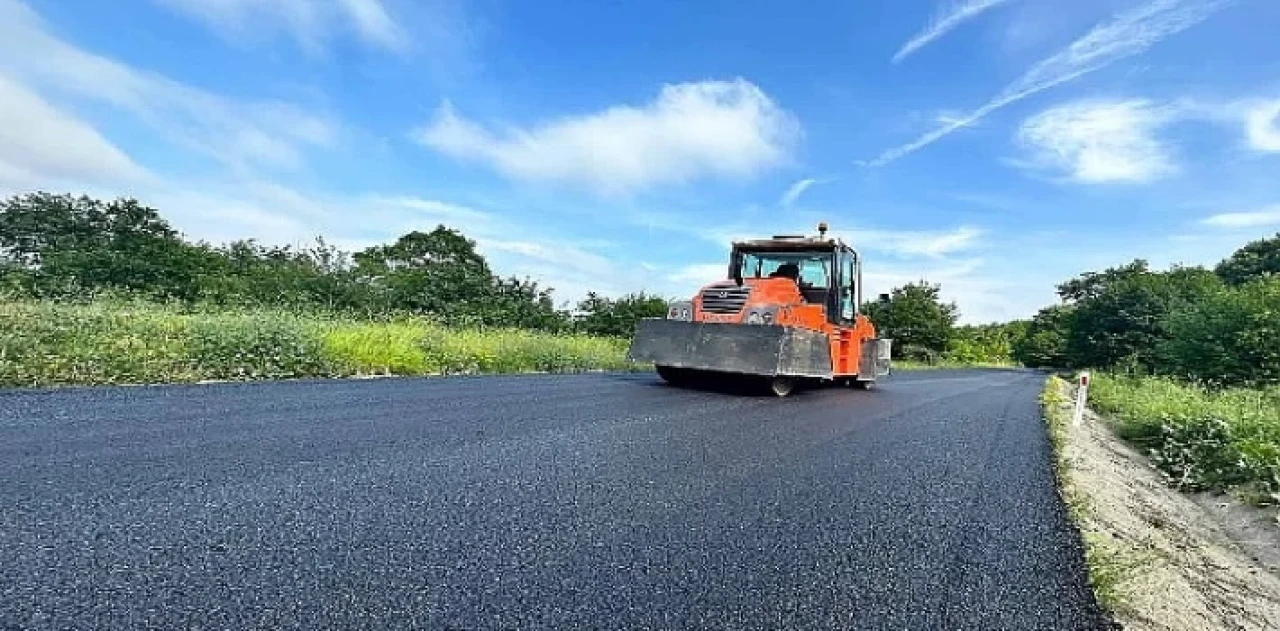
(46, 343)
(1200, 439)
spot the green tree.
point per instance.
(1044, 342)
(1121, 320)
(985, 343)
(438, 272)
(320, 276)
(36, 225)
(917, 319)
(522, 303)
(1091, 285)
(73, 244)
(1230, 337)
(618, 317)
(441, 273)
(1257, 259)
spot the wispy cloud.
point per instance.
(795, 191)
(1263, 125)
(312, 23)
(1096, 141)
(1268, 216)
(238, 133)
(1127, 34)
(943, 22)
(690, 131)
(374, 24)
(41, 143)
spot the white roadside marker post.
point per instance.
(1082, 395)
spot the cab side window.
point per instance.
(847, 290)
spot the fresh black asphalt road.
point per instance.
(594, 501)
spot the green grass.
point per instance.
(1200, 439)
(47, 343)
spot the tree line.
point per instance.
(57, 246)
(1219, 325)
(61, 246)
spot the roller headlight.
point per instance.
(762, 315)
(680, 311)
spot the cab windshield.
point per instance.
(809, 269)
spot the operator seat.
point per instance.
(787, 270)
(813, 295)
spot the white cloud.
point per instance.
(795, 191)
(909, 243)
(943, 22)
(311, 22)
(40, 143)
(1127, 34)
(1269, 216)
(238, 133)
(1100, 141)
(691, 130)
(691, 277)
(1263, 126)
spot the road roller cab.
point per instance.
(787, 311)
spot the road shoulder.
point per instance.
(1158, 558)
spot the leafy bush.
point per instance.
(48, 343)
(256, 346)
(1199, 438)
(985, 344)
(618, 317)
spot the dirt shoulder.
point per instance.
(1161, 559)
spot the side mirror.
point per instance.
(884, 299)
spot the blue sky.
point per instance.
(996, 147)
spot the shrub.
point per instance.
(256, 346)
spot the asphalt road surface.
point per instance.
(595, 501)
